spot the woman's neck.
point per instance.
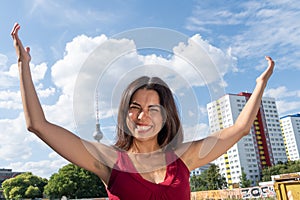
(143, 147)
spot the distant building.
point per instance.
(7, 174)
(199, 170)
(290, 127)
(1, 194)
(262, 147)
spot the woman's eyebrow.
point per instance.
(150, 106)
(135, 103)
(154, 105)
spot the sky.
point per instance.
(202, 49)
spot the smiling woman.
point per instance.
(149, 159)
(148, 104)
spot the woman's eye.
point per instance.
(154, 109)
(134, 108)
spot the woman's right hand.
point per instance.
(22, 53)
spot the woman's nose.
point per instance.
(141, 115)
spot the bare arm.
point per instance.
(208, 149)
(67, 144)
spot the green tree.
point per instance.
(214, 179)
(74, 182)
(244, 181)
(210, 179)
(197, 183)
(25, 185)
(280, 168)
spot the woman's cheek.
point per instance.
(130, 122)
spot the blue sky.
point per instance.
(235, 34)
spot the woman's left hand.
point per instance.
(264, 77)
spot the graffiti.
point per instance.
(244, 193)
(257, 192)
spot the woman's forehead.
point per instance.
(145, 96)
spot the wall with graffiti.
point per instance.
(243, 193)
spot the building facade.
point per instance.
(290, 127)
(199, 170)
(262, 147)
(7, 174)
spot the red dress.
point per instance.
(132, 186)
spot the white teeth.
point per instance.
(143, 128)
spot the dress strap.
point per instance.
(124, 163)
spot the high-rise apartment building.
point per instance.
(7, 174)
(262, 147)
(290, 126)
(198, 171)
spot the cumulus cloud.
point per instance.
(285, 99)
(10, 99)
(281, 92)
(111, 64)
(288, 107)
(38, 71)
(3, 60)
(196, 132)
(64, 72)
(14, 139)
(44, 93)
(116, 62)
(61, 112)
(43, 168)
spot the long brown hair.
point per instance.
(171, 134)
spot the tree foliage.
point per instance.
(74, 182)
(210, 179)
(25, 185)
(280, 168)
(244, 181)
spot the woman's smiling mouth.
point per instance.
(143, 128)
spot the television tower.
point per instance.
(98, 135)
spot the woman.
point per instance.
(149, 160)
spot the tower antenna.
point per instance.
(98, 135)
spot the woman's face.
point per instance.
(145, 117)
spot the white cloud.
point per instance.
(61, 112)
(10, 99)
(42, 168)
(196, 132)
(282, 92)
(285, 107)
(260, 28)
(64, 72)
(120, 63)
(203, 64)
(287, 101)
(38, 72)
(3, 60)
(114, 63)
(44, 93)
(14, 139)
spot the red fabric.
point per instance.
(132, 186)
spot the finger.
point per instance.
(15, 30)
(27, 50)
(268, 58)
(270, 61)
(15, 36)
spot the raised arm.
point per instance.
(67, 144)
(208, 149)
